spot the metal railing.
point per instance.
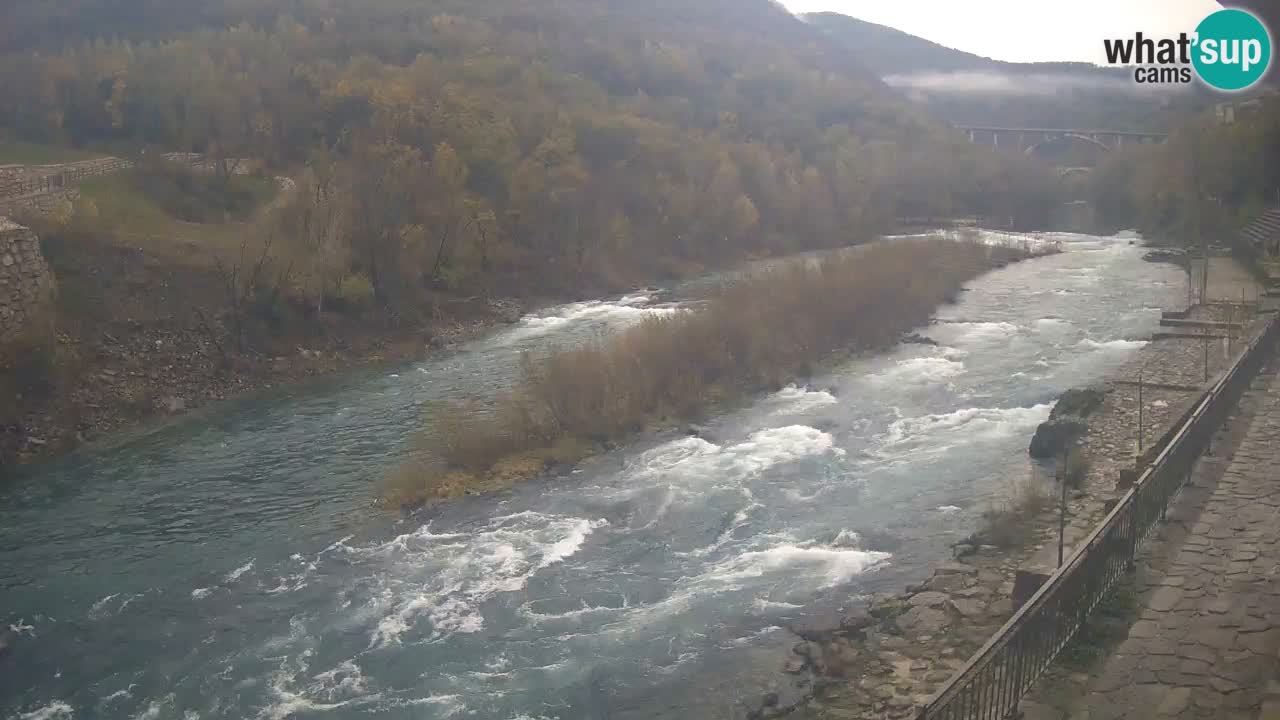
(991, 684)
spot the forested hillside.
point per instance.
(421, 164)
(1207, 181)
(559, 140)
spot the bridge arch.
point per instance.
(1068, 136)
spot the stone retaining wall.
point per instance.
(25, 282)
(41, 188)
(18, 181)
(40, 203)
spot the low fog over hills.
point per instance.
(965, 88)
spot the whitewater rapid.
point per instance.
(230, 566)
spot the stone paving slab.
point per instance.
(1205, 643)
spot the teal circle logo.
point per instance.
(1232, 50)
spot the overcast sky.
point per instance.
(1024, 30)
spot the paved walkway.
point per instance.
(1205, 645)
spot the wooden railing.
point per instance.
(36, 180)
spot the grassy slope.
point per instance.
(25, 153)
(130, 215)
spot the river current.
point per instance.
(230, 564)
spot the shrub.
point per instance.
(756, 332)
(199, 197)
(356, 291)
(1076, 468)
(1009, 523)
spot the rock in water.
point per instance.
(506, 311)
(1054, 436)
(1066, 423)
(1167, 255)
(918, 339)
(1080, 402)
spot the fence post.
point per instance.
(1062, 506)
(1141, 409)
(1206, 354)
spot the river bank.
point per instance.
(754, 334)
(137, 372)
(238, 546)
(886, 657)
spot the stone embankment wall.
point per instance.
(26, 285)
(41, 188)
(22, 180)
(40, 203)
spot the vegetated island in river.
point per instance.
(755, 333)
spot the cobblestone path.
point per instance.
(1205, 643)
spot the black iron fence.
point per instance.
(994, 680)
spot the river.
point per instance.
(230, 565)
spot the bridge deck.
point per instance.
(1077, 131)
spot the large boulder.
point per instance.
(1079, 402)
(922, 620)
(1054, 436)
(1066, 423)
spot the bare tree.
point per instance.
(247, 279)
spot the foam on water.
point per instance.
(1052, 325)
(938, 433)
(123, 694)
(448, 705)
(155, 708)
(236, 574)
(794, 400)
(966, 332)
(919, 370)
(295, 693)
(53, 711)
(833, 565)
(708, 540)
(628, 309)
(1114, 345)
(102, 608)
(847, 538)
(767, 448)
(446, 578)
(772, 606)
(694, 458)
(99, 606)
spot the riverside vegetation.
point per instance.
(1208, 180)
(444, 157)
(755, 333)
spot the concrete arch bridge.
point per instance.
(1030, 140)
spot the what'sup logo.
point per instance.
(1230, 50)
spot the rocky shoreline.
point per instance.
(144, 373)
(885, 658)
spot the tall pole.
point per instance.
(1141, 409)
(1062, 506)
(1206, 355)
